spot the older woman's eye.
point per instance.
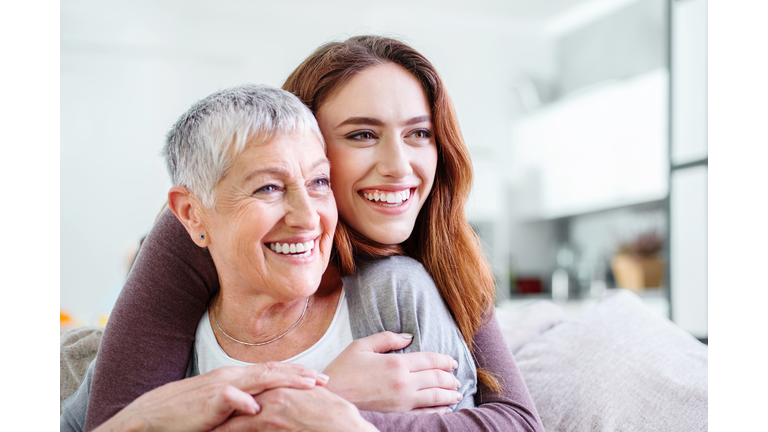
(266, 189)
(321, 182)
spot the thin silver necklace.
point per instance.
(260, 343)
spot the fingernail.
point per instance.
(448, 411)
(323, 377)
(406, 336)
(455, 364)
(460, 396)
(309, 380)
(458, 383)
(256, 407)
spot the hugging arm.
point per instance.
(149, 335)
(148, 341)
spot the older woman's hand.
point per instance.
(203, 402)
(374, 381)
(288, 410)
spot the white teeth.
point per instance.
(300, 250)
(388, 197)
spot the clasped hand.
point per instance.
(414, 382)
(206, 401)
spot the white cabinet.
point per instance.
(602, 148)
(688, 249)
(689, 81)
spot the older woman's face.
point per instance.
(272, 227)
(378, 129)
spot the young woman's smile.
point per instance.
(378, 130)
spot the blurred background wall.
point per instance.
(586, 121)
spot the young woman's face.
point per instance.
(379, 135)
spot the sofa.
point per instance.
(616, 367)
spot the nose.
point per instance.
(300, 210)
(393, 158)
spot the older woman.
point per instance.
(251, 184)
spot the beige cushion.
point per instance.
(77, 348)
(519, 326)
(617, 367)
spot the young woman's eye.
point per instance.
(364, 135)
(422, 134)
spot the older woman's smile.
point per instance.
(300, 249)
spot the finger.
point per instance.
(273, 375)
(427, 360)
(431, 410)
(436, 397)
(434, 378)
(385, 342)
(229, 400)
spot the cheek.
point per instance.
(428, 165)
(346, 170)
(328, 212)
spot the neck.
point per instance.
(256, 318)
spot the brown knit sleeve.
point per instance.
(149, 335)
(512, 410)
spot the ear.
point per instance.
(189, 211)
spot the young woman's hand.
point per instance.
(286, 409)
(374, 381)
(203, 402)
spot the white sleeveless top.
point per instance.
(210, 356)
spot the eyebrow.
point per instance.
(283, 173)
(376, 122)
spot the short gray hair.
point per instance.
(203, 144)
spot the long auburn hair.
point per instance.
(442, 239)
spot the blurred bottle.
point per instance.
(560, 285)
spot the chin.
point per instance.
(390, 235)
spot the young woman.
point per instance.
(401, 174)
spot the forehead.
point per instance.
(288, 152)
(385, 89)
